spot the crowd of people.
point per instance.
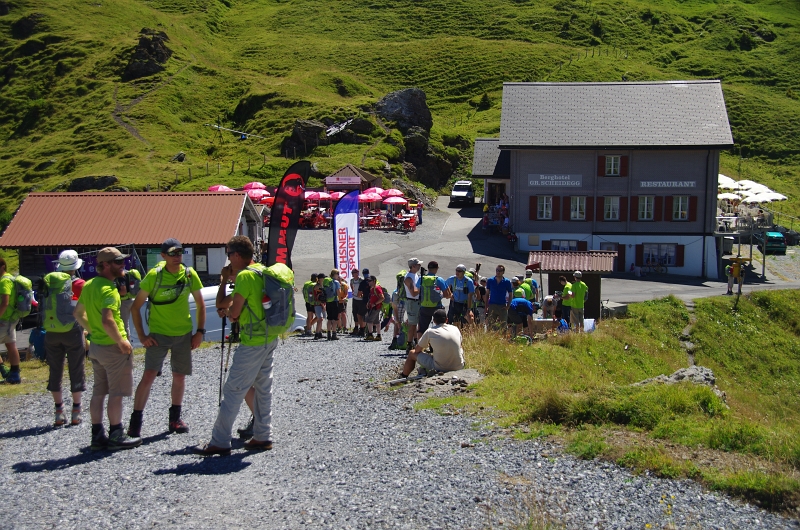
(93, 317)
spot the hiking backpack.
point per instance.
(401, 286)
(277, 298)
(132, 283)
(23, 296)
(179, 287)
(57, 308)
(329, 289)
(431, 293)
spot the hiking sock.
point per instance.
(59, 406)
(114, 428)
(14, 368)
(76, 405)
(97, 429)
(174, 413)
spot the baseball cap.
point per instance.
(110, 254)
(355, 269)
(171, 244)
(414, 261)
(577, 274)
(528, 272)
(365, 272)
(433, 265)
(69, 261)
(461, 267)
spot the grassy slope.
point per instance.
(579, 387)
(295, 57)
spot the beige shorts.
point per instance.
(113, 370)
(412, 311)
(8, 332)
(181, 359)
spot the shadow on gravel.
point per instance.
(392, 354)
(153, 439)
(22, 433)
(494, 245)
(209, 465)
(86, 456)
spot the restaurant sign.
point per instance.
(668, 184)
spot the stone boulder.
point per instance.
(149, 56)
(407, 107)
(92, 183)
(361, 126)
(698, 375)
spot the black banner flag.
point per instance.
(285, 216)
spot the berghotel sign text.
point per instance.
(571, 181)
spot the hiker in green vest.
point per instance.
(308, 297)
(128, 287)
(8, 325)
(64, 337)
(165, 289)
(565, 298)
(330, 287)
(578, 295)
(110, 351)
(433, 289)
(533, 284)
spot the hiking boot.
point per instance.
(135, 431)
(3, 371)
(118, 440)
(393, 345)
(76, 416)
(247, 432)
(179, 426)
(257, 445)
(361, 332)
(317, 336)
(99, 441)
(333, 337)
(354, 333)
(368, 337)
(13, 378)
(61, 418)
(210, 450)
(378, 338)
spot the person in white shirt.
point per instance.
(445, 341)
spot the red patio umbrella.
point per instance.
(254, 186)
(395, 200)
(374, 190)
(257, 194)
(369, 197)
(336, 195)
(317, 196)
(269, 201)
(219, 187)
(391, 192)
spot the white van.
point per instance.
(463, 193)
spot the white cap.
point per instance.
(577, 274)
(69, 261)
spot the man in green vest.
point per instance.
(565, 301)
(166, 289)
(433, 289)
(111, 354)
(308, 297)
(532, 284)
(8, 325)
(580, 292)
(64, 337)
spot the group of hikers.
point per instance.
(95, 316)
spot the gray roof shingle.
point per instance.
(597, 115)
(489, 161)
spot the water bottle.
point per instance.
(266, 302)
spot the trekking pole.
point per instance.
(221, 355)
(234, 331)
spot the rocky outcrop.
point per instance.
(407, 107)
(306, 135)
(149, 56)
(92, 183)
(698, 375)
(27, 26)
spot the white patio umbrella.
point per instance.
(759, 198)
(726, 182)
(778, 196)
(729, 196)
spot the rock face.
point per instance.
(407, 107)
(306, 135)
(149, 56)
(92, 183)
(698, 375)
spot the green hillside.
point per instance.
(258, 65)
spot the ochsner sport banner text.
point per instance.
(345, 236)
(285, 216)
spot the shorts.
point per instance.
(412, 311)
(427, 361)
(181, 358)
(355, 306)
(497, 313)
(113, 371)
(576, 316)
(319, 311)
(515, 318)
(400, 314)
(8, 331)
(309, 308)
(373, 316)
(332, 308)
(360, 307)
(342, 306)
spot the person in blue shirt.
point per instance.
(432, 290)
(520, 311)
(463, 289)
(498, 298)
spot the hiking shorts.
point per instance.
(181, 358)
(309, 307)
(319, 311)
(332, 308)
(373, 316)
(360, 307)
(412, 311)
(113, 371)
(8, 331)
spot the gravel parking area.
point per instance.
(348, 453)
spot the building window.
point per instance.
(564, 244)
(611, 209)
(577, 209)
(646, 207)
(680, 208)
(544, 209)
(663, 253)
(612, 165)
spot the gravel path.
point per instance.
(347, 455)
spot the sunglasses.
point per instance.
(118, 261)
(174, 253)
(231, 253)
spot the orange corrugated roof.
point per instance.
(582, 260)
(93, 219)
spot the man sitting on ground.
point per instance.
(445, 341)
